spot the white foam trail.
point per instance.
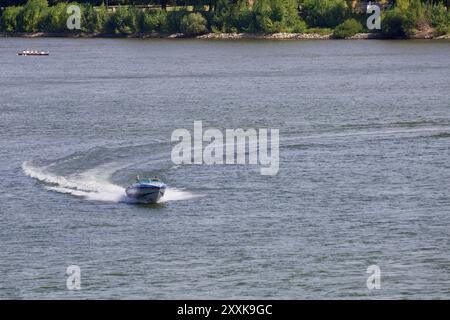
(174, 194)
(93, 184)
(43, 176)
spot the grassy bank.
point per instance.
(340, 18)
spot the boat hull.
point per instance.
(145, 193)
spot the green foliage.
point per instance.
(415, 17)
(402, 5)
(228, 17)
(193, 24)
(125, 20)
(410, 16)
(266, 13)
(439, 17)
(300, 27)
(174, 20)
(93, 19)
(265, 16)
(222, 16)
(321, 31)
(347, 29)
(325, 13)
(32, 15)
(9, 19)
(55, 19)
(277, 16)
(392, 23)
(291, 19)
(154, 21)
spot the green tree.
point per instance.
(222, 16)
(125, 20)
(155, 21)
(174, 18)
(232, 16)
(347, 29)
(325, 13)
(415, 17)
(93, 20)
(55, 19)
(32, 15)
(193, 24)
(277, 16)
(9, 19)
(439, 17)
(392, 23)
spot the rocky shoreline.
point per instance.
(274, 36)
(217, 36)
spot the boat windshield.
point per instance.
(149, 180)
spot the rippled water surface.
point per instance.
(364, 169)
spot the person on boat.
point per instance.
(138, 179)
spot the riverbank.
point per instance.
(217, 36)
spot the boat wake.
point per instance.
(93, 184)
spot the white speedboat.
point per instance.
(146, 190)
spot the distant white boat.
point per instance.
(33, 53)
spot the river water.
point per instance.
(363, 169)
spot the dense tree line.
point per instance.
(211, 3)
(7, 3)
(193, 17)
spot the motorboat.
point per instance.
(33, 53)
(146, 190)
